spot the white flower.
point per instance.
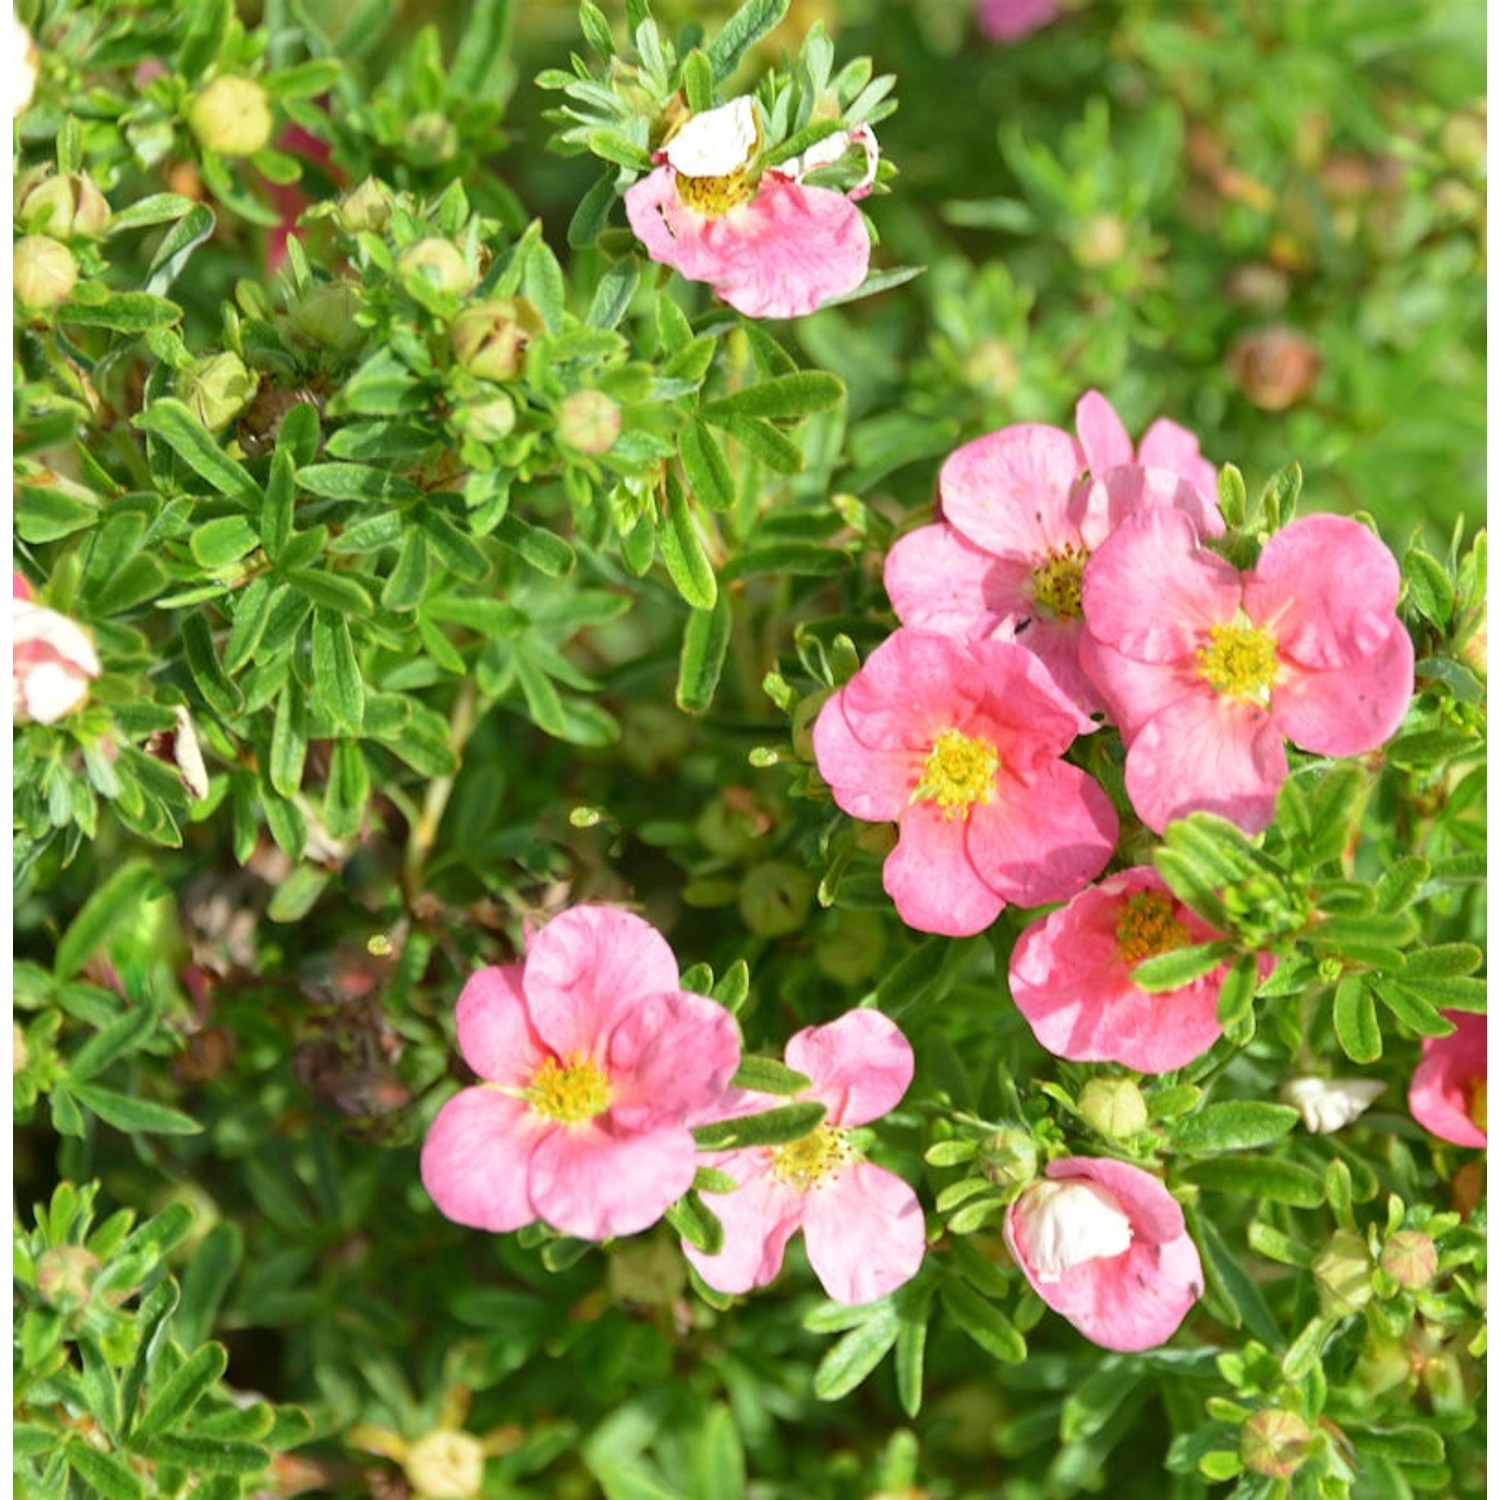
(1328, 1104)
(24, 64)
(1068, 1221)
(53, 661)
(717, 142)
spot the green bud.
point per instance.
(438, 262)
(65, 1276)
(1274, 1443)
(992, 367)
(44, 273)
(1115, 1107)
(232, 116)
(1008, 1158)
(1100, 241)
(326, 316)
(648, 1271)
(851, 946)
(1343, 1274)
(489, 421)
(1409, 1258)
(776, 898)
(589, 421)
(217, 388)
(65, 206)
(431, 139)
(490, 338)
(366, 209)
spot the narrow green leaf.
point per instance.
(682, 551)
(697, 1223)
(1354, 1020)
(911, 1348)
(217, 543)
(336, 675)
(544, 550)
(763, 441)
(277, 513)
(1412, 1010)
(1234, 1125)
(718, 1458)
(613, 295)
(183, 1391)
(215, 1259)
(1407, 1445)
(123, 312)
(772, 1127)
(337, 593)
(216, 1457)
(1257, 1177)
(698, 81)
(110, 908)
(705, 467)
(705, 643)
(105, 1474)
(1429, 585)
(218, 691)
(1235, 1285)
(115, 1040)
(785, 397)
(127, 1113)
(288, 741)
(983, 1322)
(855, 1355)
(171, 421)
(764, 1075)
(345, 481)
(738, 35)
(1170, 971)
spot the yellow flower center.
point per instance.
(811, 1158)
(573, 1090)
(958, 772)
(1057, 586)
(1478, 1090)
(1149, 926)
(1240, 660)
(713, 196)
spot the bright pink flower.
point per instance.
(959, 742)
(1019, 524)
(1010, 20)
(1166, 445)
(864, 1227)
(52, 659)
(1450, 1084)
(593, 1060)
(1105, 1244)
(1070, 976)
(1206, 670)
(772, 247)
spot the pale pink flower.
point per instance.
(1449, 1086)
(769, 245)
(864, 1226)
(52, 660)
(1019, 524)
(1206, 669)
(960, 743)
(593, 1059)
(1010, 20)
(1105, 1244)
(1070, 976)
(1165, 445)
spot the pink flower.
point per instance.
(864, 1227)
(1070, 976)
(960, 742)
(1448, 1088)
(593, 1060)
(52, 662)
(1019, 525)
(1010, 20)
(1206, 669)
(770, 246)
(1106, 445)
(1105, 1244)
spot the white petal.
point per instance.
(1328, 1104)
(23, 64)
(717, 142)
(1062, 1224)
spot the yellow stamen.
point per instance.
(1478, 1091)
(1149, 926)
(958, 772)
(712, 196)
(1240, 660)
(1057, 585)
(812, 1158)
(572, 1091)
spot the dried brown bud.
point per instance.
(1275, 367)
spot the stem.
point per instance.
(424, 830)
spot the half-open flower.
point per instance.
(1329, 1104)
(864, 1226)
(52, 661)
(593, 1060)
(1449, 1087)
(769, 245)
(1105, 1244)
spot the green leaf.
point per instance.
(124, 312)
(215, 1259)
(612, 297)
(288, 741)
(784, 397)
(1412, 1010)
(105, 1474)
(1430, 586)
(1400, 882)
(183, 1391)
(110, 908)
(218, 691)
(336, 675)
(1448, 994)
(335, 592)
(343, 481)
(544, 550)
(983, 1322)
(682, 551)
(295, 896)
(772, 1127)
(197, 447)
(456, 549)
(43, 514)
(177, 247)
(1170, 971)
(206, 1453)
(1234, 1125)
(698, 81)
(1278, 500)
(1407, 1445)
(718, 1458)
(855, 1355)
(911, 1346)
(764, 1075)
(737, 35)
(127, 1113)
(1236, 1287)
(763, 441)
(705, 467)
(155, 208)
(216, 544)
(277, 513)
(115, 1040)
(1257, 1177)
(596, 30)
(705, 643)
(697, 1223)
(1237, 994)
(1354, 1020)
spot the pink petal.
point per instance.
(1118, 494)
(476, 1159)
(590, 1183)
(19, 587)
(1101, 434)
(1008, 492)
(1008, 21)
(1056, 645)
(912, 687)
(1327, 589)
(1168, 446)
(860, 1065)
(865, 1233)
(586, 968)
(939, 581)
(494, 1030)
(1207, 753)
(759, 1217)
(1440, 1085)
(1134, 692)
(1346, 710)
(670, 1060)
(1152, 592)
(1024, 711)
(871, 783)
(931, 879)
(1155, 1215)
(1044, 837)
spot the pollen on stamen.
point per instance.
(1239, 660)
(573, 1090)
(812, 1159)
(1057, 584)
(959, 771)
(1149, 927)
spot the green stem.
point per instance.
(434, 804)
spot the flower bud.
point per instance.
(1409, 1257)
(1115, 1107)
(1275, 367)
(232, 116)
(431, 139)
(851, 946)
(65, 1276)
(1463, 138)
(438, 262)
(648, 1271)
(24, 66)
(1008, 1158)
(1343, 1274)
(490, 338)
(445, 1465)
(992, 367)
(1328, 1104)
(65, 206)
(489, 421)
(589, 421)
(44, 273)
(1274, 1443)
(1100, 241)
(775, 898)
(217, 388)
(325, 315)
(366, 209)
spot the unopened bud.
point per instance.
(490, 338)
(1274, 1443)
(232, 116)
(431, 139)
(589, 421)
(445, 1465)
(65, 206)
(1100, 241)
(44, 273)
(438, 262)
(775, 898)
(1410, 1258)
(647, 1271)
(851, 946)
(326, 316)
(1008, 1158)
(992, 367)
(65, 1276)
(1343, 1274)
(1115, 1107)
(1463, 138)
(489, 421)
(1275, 367)
(25, 64)
(218, 389)
(366, 209)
